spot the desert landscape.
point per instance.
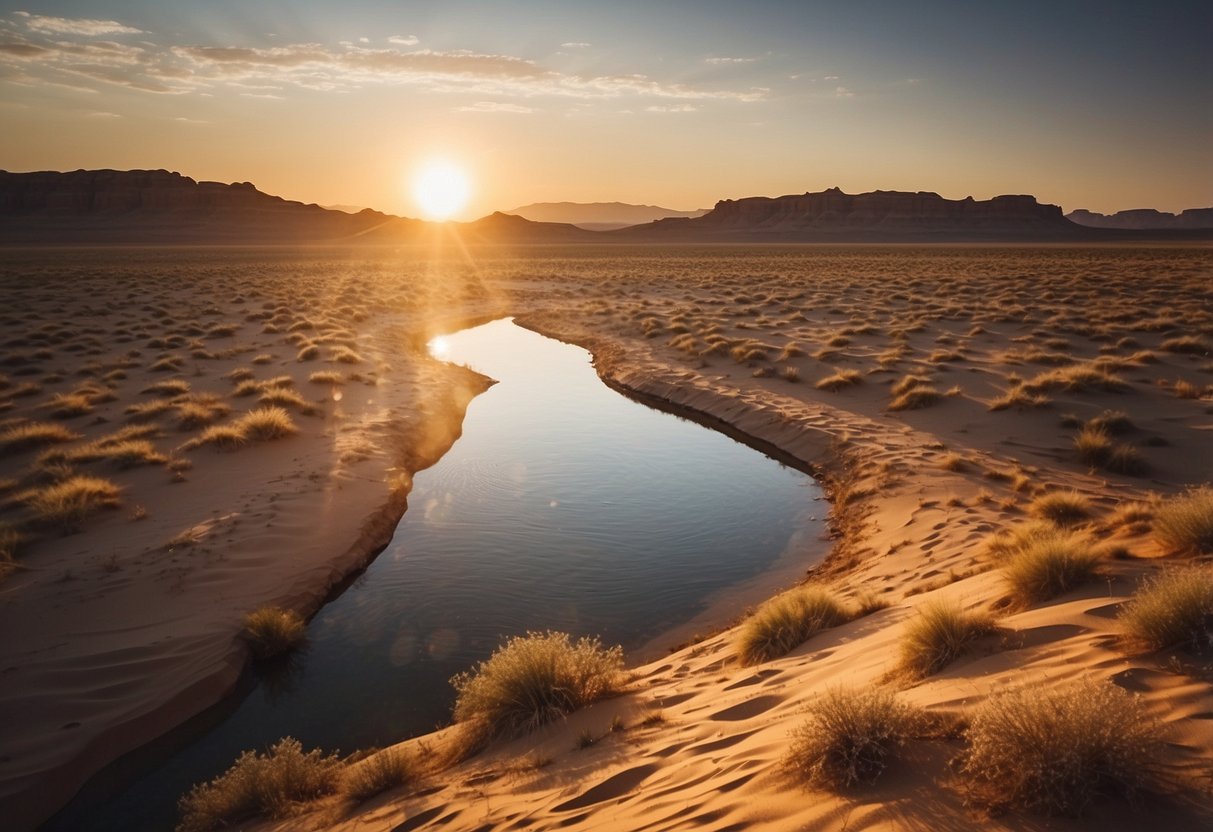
(866, 487)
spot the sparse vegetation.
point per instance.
(1065, 508)
(25, 435)
(67, 504)
(850, 737)
(1186, 522)
(1047, 563)
(787, 621)
(272, 631)
(259, 785)
(1056, 750)
(840, 380)
(938, 635)
(376, 774)
(534, 679)
(1174, 608)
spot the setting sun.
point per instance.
(440, 189)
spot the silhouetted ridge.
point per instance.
(1145, 218)
(879, 215)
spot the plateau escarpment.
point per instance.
(879, 216)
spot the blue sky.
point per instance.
(1099, 105)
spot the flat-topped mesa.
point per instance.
(120, 192)
(893, 211)
(1144, 218)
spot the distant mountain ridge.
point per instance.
(1144, 218)
(158, 206)
(600, 216)
(833, 215)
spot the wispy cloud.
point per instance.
(576, 44)
(346, 67)
(729, 60)
(494, 107)
(675, 108)
(75, 25)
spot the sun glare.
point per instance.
(441, 189)
(439, 347)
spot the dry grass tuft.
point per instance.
(271, 631)
(850, 737)
(1065, 508)
(376, 774)
(841, 379)
(25, 435)
(1186, 522)
(1049, 563)
(938, 635)
(1174, 608)
(67, 504)
(259, 785)
(785, 622)
(267, 423)
(534, 679)
(1055, 751)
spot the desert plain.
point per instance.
(187, 436)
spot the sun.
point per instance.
(441, 189)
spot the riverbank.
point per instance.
(129, 626)
(698, 739)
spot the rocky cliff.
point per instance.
(1144, 218)
(148, 206)
(875, 216)
(159, 207)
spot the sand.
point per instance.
(698, 737)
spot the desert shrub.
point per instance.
(24, 435)
(224, 437)
(271, 631)
(267, 423)
(170, 387)
(849, 737)
(920, 396)
(787, 621)
(534, 679)
(938, 635)
(1175, 607)
(257, 785)
(1126, 459)
(1094, 446)
(345, 355)
(1065, 508)
(1055, 751)
(123, 452)
(281, 396)
(1111, 421)
(1049, 564)
(840, 379)
(1020, 399)
(326, 377)
(146, 411)
(1076, 378)
(246, 388)
(67, 504)
(309, 352)
(1191, 344)
(1186, 522)
(376, 774)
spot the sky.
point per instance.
(1098, 105)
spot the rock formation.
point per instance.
(1144, 218)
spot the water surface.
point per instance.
(564, 506)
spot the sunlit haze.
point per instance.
(440, 189)
(1105, 106)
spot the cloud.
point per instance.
(494, 107)
(729, 60)
(675, 108)
(576, 44)
(317, 67)
(76, 26)
(843, 92)
(404, 40)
